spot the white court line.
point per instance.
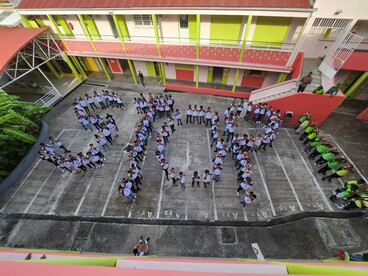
(288, 179)
(186, 203)
(39, 190)
(213, 183)
(116, 177)
(265, 185)
(24, 180)
(245, 215)
(347, 157)
(258, 252)
(160, 198)
(311, 173)
(84, 195)
(57, 199)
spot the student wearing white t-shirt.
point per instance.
(195, 114)
(178, 117)
(182, 180)
(189, 112)
(217, 173)
(207, 178)
(245, 185)
(248, 198)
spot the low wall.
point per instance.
(26, 162)
(320, 106)
(208, 91)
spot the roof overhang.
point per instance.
(13, 40)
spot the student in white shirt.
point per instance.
(178, 117)
(249, 110)
(217, 173)
(209, 117)
(207, 177)
(248, 198)
(182, 180)
(245, 185)
(99, 99)
(266, 140)
(201, 115)
(172, 176)
(189, 112)
(195, 178)
(195, 114)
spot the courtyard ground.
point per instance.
(87, 211)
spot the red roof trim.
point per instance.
(14, 39)
(92, 4)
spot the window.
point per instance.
(183, 21)
(143, 20)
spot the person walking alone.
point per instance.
(141, 77)
(304, 82)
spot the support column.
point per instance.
(121, 37)
(162, 68)
(198, 43)
(356, 84)
(25, 20)
(72, 67)
(65, 56)
(154, 20)
(247, 28)
(281, 77)
(86, 31)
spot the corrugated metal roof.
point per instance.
(92, 4)
(14, 39)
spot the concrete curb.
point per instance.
(119, 220)
(27, 161)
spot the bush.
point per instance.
(20, 125)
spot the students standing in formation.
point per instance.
(92, 159)
(329, 158)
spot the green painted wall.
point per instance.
(68, 32)
(192, 25)
(210, 74)
(150, 69)
(225, 29)
(225, 75)
(271, 31)
(91, 26)
(122, 26)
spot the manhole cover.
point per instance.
(228, 235)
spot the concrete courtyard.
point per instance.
(92, 215)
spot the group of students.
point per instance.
(92, 159)
(91, 122)
(130, 185)
(329, 158)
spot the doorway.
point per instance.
(217, 74)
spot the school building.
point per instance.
(256, 49)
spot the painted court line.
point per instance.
(258, 252)
(347, 157)
(84, 195)
(160, 197)
(245, 215)
(24, 180)
(116, 177)
(311, 173)
(213, 183)
(39, 190)
(288, 179)
(43, 184)
(265, 185)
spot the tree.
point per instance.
(20, 126)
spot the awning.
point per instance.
(13, 40)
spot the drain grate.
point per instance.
(228, 235)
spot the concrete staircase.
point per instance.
(317, 78)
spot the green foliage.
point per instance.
(19, 127)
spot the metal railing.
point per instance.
(186, 41)
(273, 90)
(49, 98)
